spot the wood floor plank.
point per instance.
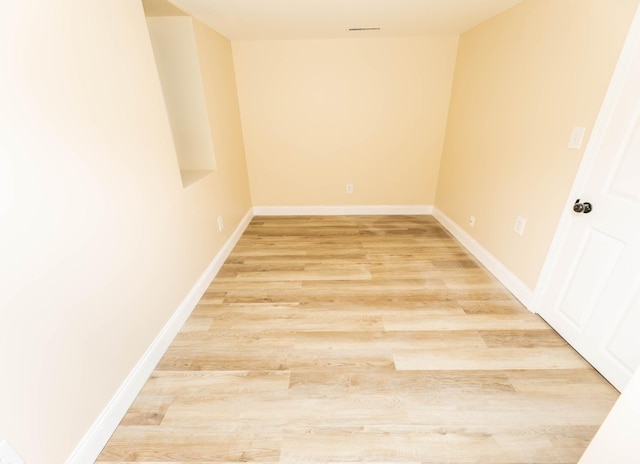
(460, 358)
(374, 339)
(403, 444)
(175, 444)
(516, 321)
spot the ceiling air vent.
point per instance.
(361, 29)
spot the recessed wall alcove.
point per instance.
(176, 54)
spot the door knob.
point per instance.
(585, 207)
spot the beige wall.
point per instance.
(99, 242)
(523, 80)
(318, 114)
(230, 181)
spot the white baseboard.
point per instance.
(97, 436)
(519, 289)
(341, 210)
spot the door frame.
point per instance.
(630, 50)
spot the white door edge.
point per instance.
(620, 74)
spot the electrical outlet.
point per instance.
(349, 188)
(472, 221)
(220, 226)
(8, 455)
(518, 228)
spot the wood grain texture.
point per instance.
(361, 339)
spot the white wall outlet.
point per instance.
(518, 228)
(8, 455)
(220, 223)
(577, 135)
(349, 188)
(472, 221)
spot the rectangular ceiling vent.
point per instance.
(360, 29)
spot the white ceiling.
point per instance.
(324, 19)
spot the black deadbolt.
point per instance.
(585, 207)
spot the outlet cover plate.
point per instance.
(518, 228)
(577, 136)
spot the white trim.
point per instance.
(97, 436)
(630, 49)
(519, 289)
(341, 210)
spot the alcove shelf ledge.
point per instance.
(191, 176)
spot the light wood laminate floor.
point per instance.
(361, 339)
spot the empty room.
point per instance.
(319, 231)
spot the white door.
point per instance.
(590, 287)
